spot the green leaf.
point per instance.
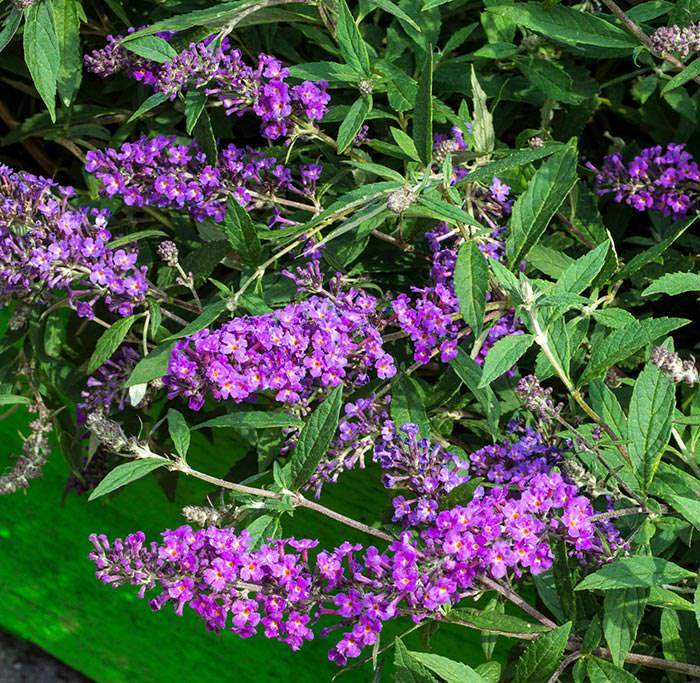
(204, 134)
(602, 671)
(315, 437)
(634, 572)
(179, 432)
(503, 355)
(408, 669)
(407, 405)
(253, 420)
(405, 143)
(622, 613)
(688, 507)
(41, 52)
(674, 283)
(150, 367)
(109, 342)
(515, 158)
(204, 319)
(423, 112)
(262, 529)
(696, 604)
(652, 254)
(581, 273)
(392, 8)
(448, 670)
(470, 373)
(668, 599)
(443, 211)
(352, 123)
(542, 656)
(605, 403)
(153, 48)
(494, 621)
(10, 26)
(482, 124)
(124, 474)
(471, 279)
(324, 71)
(67, 17)
(534, 209)
(195, 99)
(566, 25)
(672, 639)
(621, 343)
(688, 74)
(135, 237)
(13, 399)
(650, 421)
(151, 102)
(241, 233)
(550, 79)
(352, 45)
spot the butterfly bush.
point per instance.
(660, 179)
(283, 587)
(161, 173)
(48, 246)
(369, 268)
(261, 89)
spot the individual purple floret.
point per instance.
(678, 40)
(657, 179)
(293, 352)
(221, 70)
(105, 389)
(45, 245)
(281, 590)
(160, 172)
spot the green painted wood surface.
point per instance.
(48, 593)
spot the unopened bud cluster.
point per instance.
(537, 399)
(674, 366)
(400, 200)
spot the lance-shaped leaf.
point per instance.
(542, 656)
(407, 405)
(634, 572)
(423, 112)
(124, 474)
(535, 208)
(471, 278)
(503, 355)
(41, 52)
(109, 342)
(316, 437)
(351, 43)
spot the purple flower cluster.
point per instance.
(293, 352)
(358, 430)
(678, 40)
(658, 179)
(427, 470)
(47, 245)
(104, 389)
(431, 317)
(282, 591)
(160, 172)
(222, 71)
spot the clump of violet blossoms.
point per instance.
(45, 245)
(160, 172)
(303, 348)
(282, 590)
(221, 70)
(658, 179)
(678, 40)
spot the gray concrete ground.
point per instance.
(22, 662)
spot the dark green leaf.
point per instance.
(10, 26)
(241, 233)
(581, 273)
(155, 100)
(535, 208)
(688, 507)
(674, 283)
(195, 99)
(634, 572)
(470, 373)
(542, 656)
(423, 112)
(471, 279)
(482, 123)
(503, 355)
(650, 421)
(622, 613)
(41, 52)
(204, 319)
(179, 432)
(352, 45)
(352, 123)
(124, 474)
(407, 405)
(67, 17)
(109, 342)
(252, 419)
(602, 671)
(494, 621)
(688, 74)
(408, 669)
(150, 367)
(316, 437)
(448, 670)
(152, 48)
